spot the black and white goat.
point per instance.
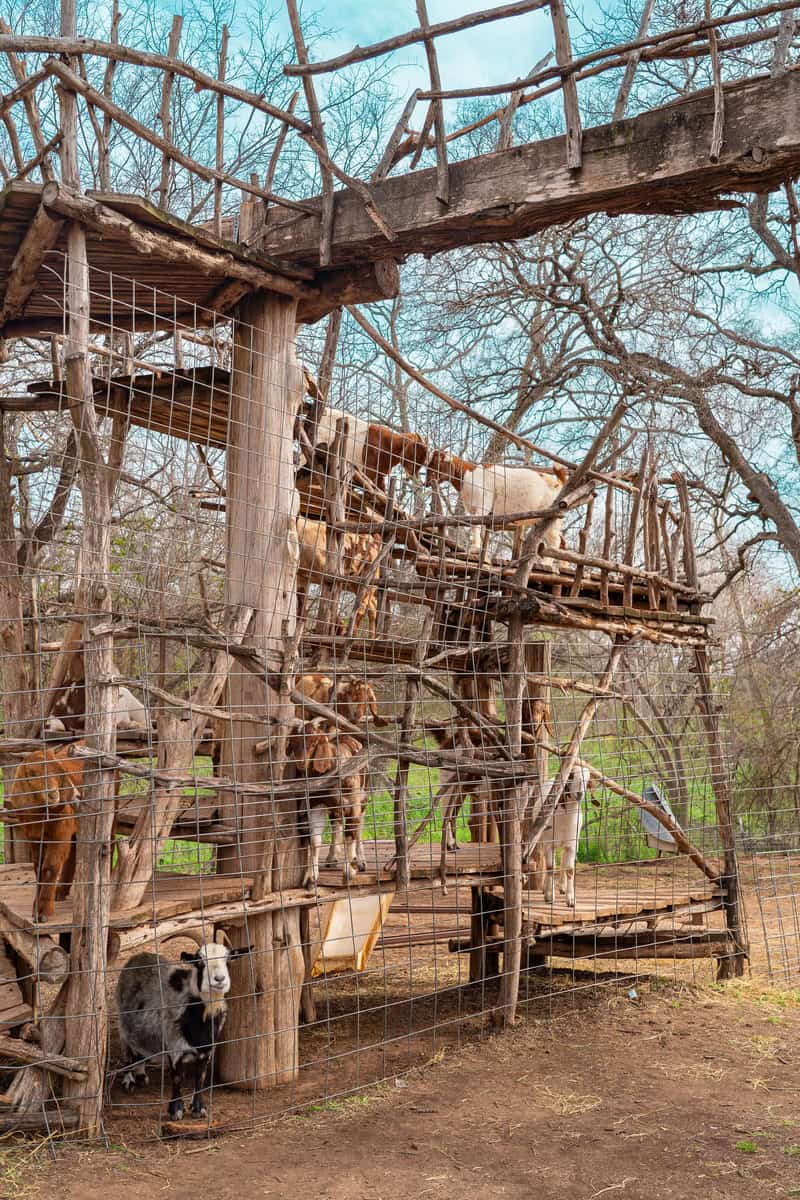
(177, 1009)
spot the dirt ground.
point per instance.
(682, 1092)
(681, 1088)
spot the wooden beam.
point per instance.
(379, 280)
(150, 242)
(42, 235)
(656, 162)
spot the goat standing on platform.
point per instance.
(317, 750)
(562, 832)
(499, 491)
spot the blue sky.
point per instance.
(488, 54)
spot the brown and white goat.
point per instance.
(42, 807)
(499, 491)
(317, 750)
(359, 553)
(375, 449)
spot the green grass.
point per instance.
(611, 833)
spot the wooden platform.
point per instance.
(604, 894)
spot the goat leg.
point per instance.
(201, 1073)
(175, 1108)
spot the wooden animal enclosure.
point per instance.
(159, 356)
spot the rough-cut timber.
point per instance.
(656, 162)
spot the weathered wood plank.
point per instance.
(656, 162)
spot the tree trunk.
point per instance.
(260, 1049)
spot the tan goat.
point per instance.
(317, 750)
(359, 553)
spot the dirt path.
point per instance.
(681, 1093)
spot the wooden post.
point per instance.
(86, 1003)
(733, 965)
(514, 800)
(15, 672)
(539, 662)
(261, 1045)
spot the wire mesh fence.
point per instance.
(368, 792)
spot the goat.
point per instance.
(353, 699)
(459, 784)
(375, 449)
(359, 552)
(500, 490)
(70, 709)
(42, 804)
(317, 750)
(177, 1009)
(562, 832)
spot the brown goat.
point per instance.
(43, 799)
(384, 449)
(359, 553)
(317, 750)
(462, 784)
(353, 699)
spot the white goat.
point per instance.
(562, 832)
(500, 490)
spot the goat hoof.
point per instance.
(361, 864)
(176, 1110)
(128, 1081)
(199, 1109)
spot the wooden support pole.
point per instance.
(220, 133)
(437, 108)
(572, 112)
(621, 102)
(165, 112)
(513, 800)
(261, 1047)
(87, 1005)
(733, 965)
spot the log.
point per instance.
(153, 243)
(47, 960)
(74, 83)
(144, 58)
(619, 175)
(28, 1054)
(40, 238)
(675, 40)
(54, 1120)
(379, 280)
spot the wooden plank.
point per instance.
(656, 162)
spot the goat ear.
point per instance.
(561, 473)
(188, 958)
